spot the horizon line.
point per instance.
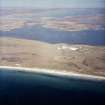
(56, 7)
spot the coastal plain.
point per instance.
(84, 59)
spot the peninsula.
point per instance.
(83, 59)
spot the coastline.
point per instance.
(54, 72)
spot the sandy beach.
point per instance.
(53, 72)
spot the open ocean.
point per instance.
(22, 88)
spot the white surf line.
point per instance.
(53, 72)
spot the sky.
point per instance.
(53, 3)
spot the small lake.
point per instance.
(21, 88)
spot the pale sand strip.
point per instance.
(54, 72)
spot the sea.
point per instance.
(26, 88)
(53, 36)
(89, 37)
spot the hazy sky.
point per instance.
(53, 3)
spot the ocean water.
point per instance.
(39, 33)
(21, 88)
(89, 37)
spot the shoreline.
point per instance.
(53, 72)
